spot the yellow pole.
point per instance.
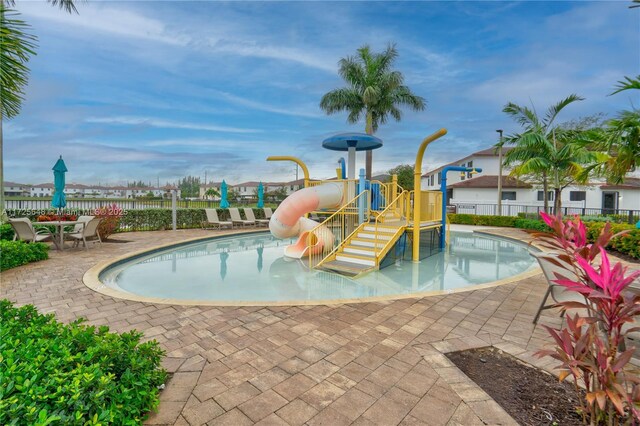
(296, 160)
(417, 174)
(394, 187)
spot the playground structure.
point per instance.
(366, 225)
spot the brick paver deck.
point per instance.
(362, 363)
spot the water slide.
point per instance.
(288, 220)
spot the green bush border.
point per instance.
(73, 374)
(18, 253)
(628, 244)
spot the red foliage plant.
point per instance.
(56, 217)
(110, 219)
(591, 347)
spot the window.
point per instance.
(577, 195)
(541, 196)
(439, 178)
(431, 179)
(508, 195)
(470, 165)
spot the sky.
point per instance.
(157, 90)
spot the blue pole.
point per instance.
(361, 203)
(443, 189)
(343, 166)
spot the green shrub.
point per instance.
(628, 244)
(471, 219)
(73, 374)
(536, 225)
(6, 232)
(160, 219)
(16, 253)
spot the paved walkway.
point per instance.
(367, 363)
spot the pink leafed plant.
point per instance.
(592, 346)
(110, 219)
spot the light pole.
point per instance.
(500, 173)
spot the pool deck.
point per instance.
(360, 363)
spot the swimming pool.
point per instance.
(251, 269)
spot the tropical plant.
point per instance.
(374, 91)
(16, 47)
(618, 142)
(544, 151)
(405, 175)
(212, 193)
(111, 216)
(591, 348)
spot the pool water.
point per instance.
(252, 268)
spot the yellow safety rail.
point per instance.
(342, 224)
(431, 206)
(396, 208)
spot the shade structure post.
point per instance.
(362, 201)
(417, 172)
(174, 209)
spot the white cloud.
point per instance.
(98, 17)
(153, 122)
(294, 111)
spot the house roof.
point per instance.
(491, 182)
(7, 183)
(489, 152)
(629, 183)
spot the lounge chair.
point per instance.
(250, 216)
(551, 264)
(236, 219)
(212, 219)
(88, 230)
(24, 231)
(268, 212)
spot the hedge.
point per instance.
(628, 244)
(6, 232)
(17, 253)
(73, 374)
(160, 219)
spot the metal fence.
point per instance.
(616, 215)
(87, 204)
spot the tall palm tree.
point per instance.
(374, 91)
(544, 149)
(16, 48)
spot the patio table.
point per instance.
(59, 224)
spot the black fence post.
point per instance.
(630, 217)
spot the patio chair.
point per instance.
(236, 219)
(212, 219)
(88, 231)
(24, 231)
(83, 219)
(267, 212)
(550, 264)
(248, 212)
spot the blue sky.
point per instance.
(148, 90)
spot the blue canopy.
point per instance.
(260, 196)
(224, 204)
(59, 169)
(361, 141)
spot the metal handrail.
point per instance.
(398, 201)
(350, 209)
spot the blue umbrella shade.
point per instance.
(260, 196)
(59, 169)
(224, 203)
(361, 141)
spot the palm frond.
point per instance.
(523, 115)
(554, 110)
(16, 48)
(66, 5)
(627, 84)
(341, 100)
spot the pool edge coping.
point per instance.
(91, 279)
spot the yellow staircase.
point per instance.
(364, 249)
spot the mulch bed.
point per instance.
(531, 396)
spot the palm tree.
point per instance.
(545, 150)
(374, 91)
(16, 47)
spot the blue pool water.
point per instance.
(252, 268)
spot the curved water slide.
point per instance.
(289, 221)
